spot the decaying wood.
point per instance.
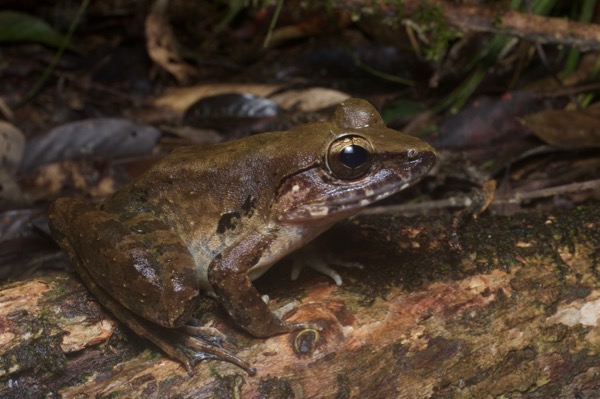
(496, 19)
(516, 313)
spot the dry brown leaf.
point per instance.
(181, 99)
(106, 138)
(11, 195)
(566, 129)
(12, 145)
(310, 99)
(161, 44)
(74, 178)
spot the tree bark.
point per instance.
(515, 312)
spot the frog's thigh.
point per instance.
(141, 263)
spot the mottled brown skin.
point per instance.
(213, 218)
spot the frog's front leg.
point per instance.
(228, 275)
(142, 273)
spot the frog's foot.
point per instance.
(193, 344)
(206, 333)
(288, 308)
(321, 265)
(188, 344)
(285, 309)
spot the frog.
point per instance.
(211, 219)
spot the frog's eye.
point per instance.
(349, 157)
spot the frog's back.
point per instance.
(211, 195)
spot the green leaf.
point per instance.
(21, 27)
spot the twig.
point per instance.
(519, 197)
(463, 202)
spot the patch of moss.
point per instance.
(433, 25)
(42, 353)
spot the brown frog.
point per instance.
(210, 219)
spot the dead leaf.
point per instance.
(12, 146)
(17, 223)
(162, 46)
(566, 129)
(74, 178)
(108, 138)
(310, 99)
(180, 99)
(233, 115)
(10, 192)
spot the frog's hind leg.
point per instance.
(142, 273)
(137, 260)
(187, 344)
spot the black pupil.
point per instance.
(353, 156)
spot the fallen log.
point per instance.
(515, 311)
(495, 18)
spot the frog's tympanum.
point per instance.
(210, 219)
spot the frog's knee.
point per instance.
(64, 211)
(62, 214)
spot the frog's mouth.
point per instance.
(353, 202)
(317, 197)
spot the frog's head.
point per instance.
(361, 161)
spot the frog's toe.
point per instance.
(198, 350)
(197, 343)
(285, 309)
(317, 264)
(293, 326)
(206, 333)
(321, 264)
